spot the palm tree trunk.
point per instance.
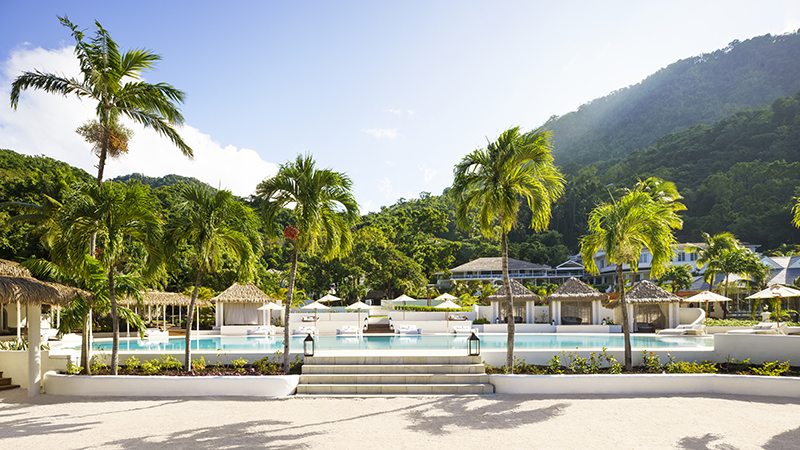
(187, 365)
(114, 324)
(626, 325)
(287, 309)
(510, 303)
(86, 343)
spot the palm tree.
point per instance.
(492, 180)
(713, 246)
(623, 228)
(796, 212)
(124, 220)
(113, 80)
(324, 211)
(678, 277)
(212, 223)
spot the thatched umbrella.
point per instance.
(574, 290)
(12, 269)
(518, 292)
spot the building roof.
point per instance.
(152, 297)
(575, 290)
(646, 292)
(242, 293)
(496, 263)
(518, 292)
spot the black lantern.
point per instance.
(474, 345)
(308, 345)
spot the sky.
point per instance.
(392, 93)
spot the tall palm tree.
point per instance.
(324, 211)
(493, 180)
(112, 79)
(678, 277)
(623, 228)
(212, 223)
(796, 214)
(124, 220)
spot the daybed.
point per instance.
(348, 329)
(155, 333)
(408, 329)
(684, 330)
(309, 319)
(457, 318)
(262, 330)
(463, 329)
(305, 330)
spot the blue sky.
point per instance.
(392, 93)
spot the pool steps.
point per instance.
(393, 375)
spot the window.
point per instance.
(681, 256)
(692, 256)
(644, 257)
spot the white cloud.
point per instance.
(45, 124)
(391, 163)
(790, 25)
(410, 113)
(381, 133)
(385, 187)
(396, 111)
(427, 173)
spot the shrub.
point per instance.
(238, 364)
(772, 369)
(73, 369)
(199, 364)
(480, 321)
(150, 367)
(132, 363)
(169, 362)
(651, 361)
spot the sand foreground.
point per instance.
(504, 421)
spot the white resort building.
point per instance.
(491, 270)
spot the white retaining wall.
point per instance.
(647, 384)
(759, 348)
(14, 365)
(161, 386)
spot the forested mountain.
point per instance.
(697, 90)
(157, 182)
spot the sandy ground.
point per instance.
(487, 423)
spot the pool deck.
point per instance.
(541, 422)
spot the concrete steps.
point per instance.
(393, 375)
(5, 383)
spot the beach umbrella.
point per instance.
(315, 306)
(403, 298)
(446, 296)
(270, 306)
(448, 305)
(359, 305)
(327, 298)
(778, 292)
(707, 296)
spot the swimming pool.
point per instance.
(272, 344)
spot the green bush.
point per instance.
(238, 364)
(73, 369)
(428, 309)
(132, 363)
(772, 369)
(199, 364)
(480, 321)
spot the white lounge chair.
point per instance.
(408, 329)
(457, 318)
(684, 330)
(309, 319)
(156, 333)
(463, 329)
(305, 330)
(764, 328)
(348, 329)
(262, 330)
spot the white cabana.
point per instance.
(238, 305)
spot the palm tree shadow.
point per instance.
(702, 443)
(242, 435)
(16, 427)
(784, 441)
(457, 412)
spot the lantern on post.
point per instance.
(474, 345)
(308, 345)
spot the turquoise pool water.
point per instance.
(488, 341)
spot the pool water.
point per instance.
(366, 342)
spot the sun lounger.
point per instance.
(155, 333)
(763, 328)
(457, 318)
(262, 330)
(463, 329)
(684, 330)
(309, 319)
(305, 330)
(408, 329)
(348, 329)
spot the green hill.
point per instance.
(697, 90)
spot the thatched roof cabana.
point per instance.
(518, 293)
(158, 298)
(242, 293)
(12, 269)
(575, 290)
(647, 292)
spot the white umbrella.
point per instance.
(270, 307)
(403, 298)
(448, 305)
(707, 296)
(446, 296)
(776, 291)
(315, 306)
(329, 298)
(359, 305)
